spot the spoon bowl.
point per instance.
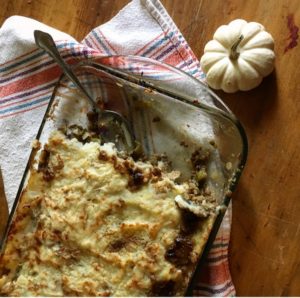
(114, 123)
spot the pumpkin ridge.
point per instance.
(251, 79)
(250, 65)
(253, 65)
(222, 44)
(211, 60)
(222, 67)
(214, 46)
(229, 84)
(268, 55)
(225, 52)
(248, 38)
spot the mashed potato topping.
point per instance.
(93, 223)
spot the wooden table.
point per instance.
(265, 242)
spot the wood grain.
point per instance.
(264, 251)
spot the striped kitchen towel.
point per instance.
(27, 78)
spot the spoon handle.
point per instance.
(46, 42)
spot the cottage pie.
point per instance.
(94, 222)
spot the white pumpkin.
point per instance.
(238, 57)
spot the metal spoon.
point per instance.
(113, 121)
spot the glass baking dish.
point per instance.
(169, 112)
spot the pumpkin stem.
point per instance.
(234, 54)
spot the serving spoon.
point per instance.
(114, 123)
